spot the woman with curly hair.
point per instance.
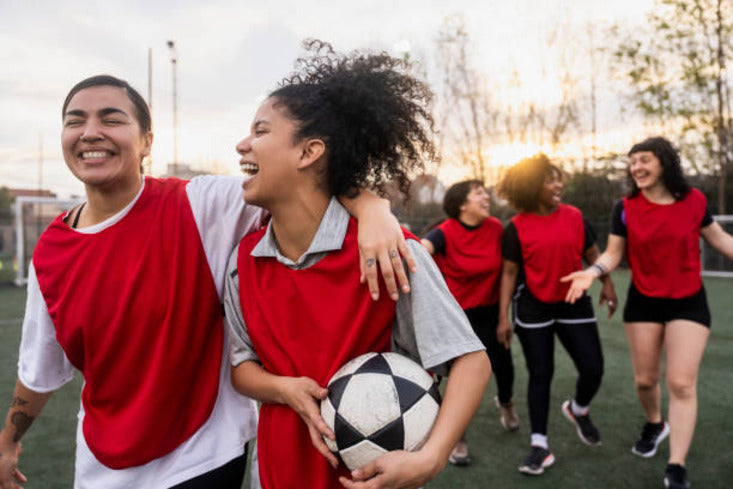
(467, 249)
(544, 242)
(658, 226)
(292, 300)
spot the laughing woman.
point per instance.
(658, 226)
(295, 310)
(542, 243)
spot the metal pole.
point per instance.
(174, 62)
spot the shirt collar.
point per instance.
(329, 237)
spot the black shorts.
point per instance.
(641, 308)
(530, 312)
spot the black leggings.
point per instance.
(582, 344)
(484, 320)
(228, 476)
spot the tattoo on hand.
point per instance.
(17, 401)
(22, 422)
(370, 262)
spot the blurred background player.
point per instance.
(467, 249)
(544, 242)
(658, 227)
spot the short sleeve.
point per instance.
(618, 219)
(510, 248)
(222, 218)
(437, 238)
(590, 235)
(707, 219)
(241, 349)
(430, 326)
(42, 363)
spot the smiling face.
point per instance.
(646, 170)
(270, 156)
(551, 192)
(476, 206)
(101, 138)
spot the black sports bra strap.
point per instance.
(78, 214)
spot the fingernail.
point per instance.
(395, 296)
(375, 296)
(405, 288)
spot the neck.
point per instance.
(103, 203)
(545, 210)
(471, 220)
(296, 222)
(658, 194)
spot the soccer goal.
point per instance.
(31, 216)
(713, 263)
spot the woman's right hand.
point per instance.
(580, 282)
(504, 332)
(303, 395)
(9, 473)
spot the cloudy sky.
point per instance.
(230, 53)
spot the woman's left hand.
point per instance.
(382, 245)
(394, 470)
(608, 295)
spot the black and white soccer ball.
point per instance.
(377, 403)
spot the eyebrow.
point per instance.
(259, 123)
(101, 112)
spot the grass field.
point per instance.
(47, 459)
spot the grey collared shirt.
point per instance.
(430, 327)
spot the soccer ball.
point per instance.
(379, 402)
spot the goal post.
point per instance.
(31, 216)
(713, 263)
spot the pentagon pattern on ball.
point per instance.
(379, 402)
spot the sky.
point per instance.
(230, 54)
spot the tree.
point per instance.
(464, 113)
(678, 77)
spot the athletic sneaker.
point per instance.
(651, 436)
(537, 460)
(459, 456)
(587, 431)
(509, 419)
(675, 477)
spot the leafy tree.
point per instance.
(677, 72)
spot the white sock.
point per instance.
(539, 440)
(577, 409)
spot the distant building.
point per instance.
(29, 192)
(182, 170)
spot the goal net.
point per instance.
(31, 216)
(713, 263)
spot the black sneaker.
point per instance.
(651, 436)
(675, 477)
(536, 461)
(587, 431)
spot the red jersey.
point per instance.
(126, 320)
(306, 323)
(471, 264)
(663, 245)
(552, 247)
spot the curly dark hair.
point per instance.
(373, 116)
(456, 196)
(669, 158)
(142, 111)
(522, 182)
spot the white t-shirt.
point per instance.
(222, 218)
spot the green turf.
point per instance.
(48, 453)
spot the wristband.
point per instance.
(600, 268)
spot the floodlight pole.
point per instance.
(174, 63)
